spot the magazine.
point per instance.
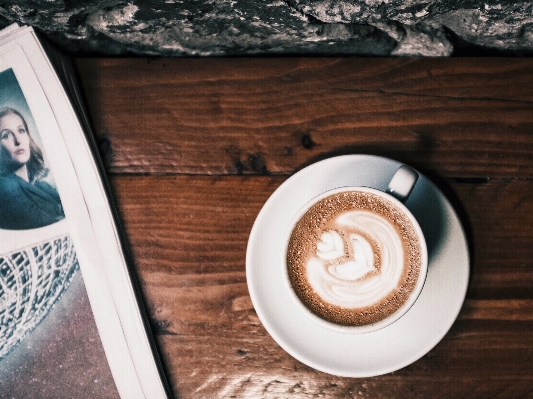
(72, 323)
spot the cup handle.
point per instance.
(402, 183)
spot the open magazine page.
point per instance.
(49, 343)
(60, 253)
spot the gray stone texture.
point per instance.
(280, 27)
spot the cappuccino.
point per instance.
(354, 257)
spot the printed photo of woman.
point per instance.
(27, 200)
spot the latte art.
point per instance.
(358, 265)
(354, 258)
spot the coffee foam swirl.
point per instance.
(354, 258)
(354, 280)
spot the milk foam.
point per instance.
(344, 273)
(354, 257)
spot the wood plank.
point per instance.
(472, 118)
(189, 236)
(254, 366)
(196, 225)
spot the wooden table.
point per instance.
(194, 148)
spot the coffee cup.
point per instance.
(355, 258)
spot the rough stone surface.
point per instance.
(280, 27)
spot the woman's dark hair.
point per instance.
(35, 165)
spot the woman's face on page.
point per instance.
(14, 140)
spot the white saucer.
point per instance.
(395, 346)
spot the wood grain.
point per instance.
(189, 236)
(194, 148)
(465, 118)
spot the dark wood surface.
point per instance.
(194, 147)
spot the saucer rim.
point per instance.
(346, 370)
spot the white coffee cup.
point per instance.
(398, 191)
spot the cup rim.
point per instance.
(367, 328)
